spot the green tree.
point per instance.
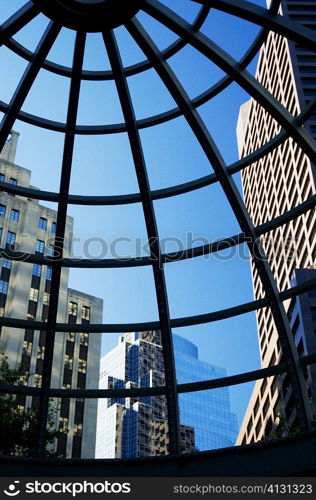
(19, 425)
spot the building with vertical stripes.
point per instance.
(272, 186)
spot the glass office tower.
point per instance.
(131, 427)
(215, 426)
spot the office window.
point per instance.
(40, 352)
(82, 366)
(3, 287)
(46, 299)
(85, 312)
(14, 215)
(10, 238)
(34, 294)
(50, 250)
(63, 424)
(7, 263)
(1, 230)
(1, 178)
(49, 273)
(37, 270)
(42, 223)
(72, 309)
(40, 246)
(53, 228)
(13, 181)
(77, 429)
(27, 348)
(37, 380)
(84, 339)
(2, 210)
(68, 361)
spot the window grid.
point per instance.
(42, 223)
(14, 215)
(2, 210)
(10, 238)
(3, 287)
(37, 270)
(40, 246)
(34, 294)
(49, 273)
(7, 263)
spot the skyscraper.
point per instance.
(273, 185)
(130, 427)
(24, 294)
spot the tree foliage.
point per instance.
(18, 424)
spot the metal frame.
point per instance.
(153, 239)
(268, 19)
(74, 92)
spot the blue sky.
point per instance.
(103, 165)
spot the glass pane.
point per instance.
(103, 165)
(123, 291)
(208, 283)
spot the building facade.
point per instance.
(209, 412)
(280, 181)
(29, 227)
(130, 427)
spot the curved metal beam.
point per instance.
(176, 190)
(233, 196)
(156, 119)
(135, 392)
(27, 81)
(154, 325)
(203, 385)
(153, 240)
(228, 64)
(59, 239)
(282, 25)
(132, 70)
(188, 253)
(16, 22)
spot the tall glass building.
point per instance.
(215, 426)
(131, 427)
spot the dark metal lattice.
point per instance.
(268, 19)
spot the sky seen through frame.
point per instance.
(103, 164)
